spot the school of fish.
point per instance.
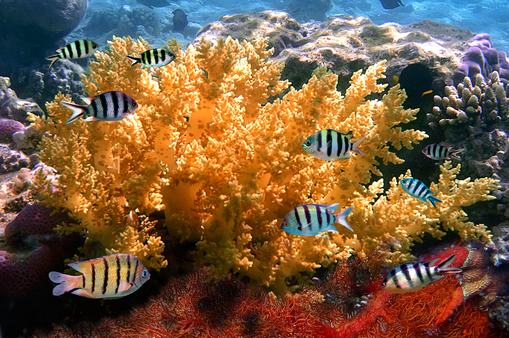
(121, 274)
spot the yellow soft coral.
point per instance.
(226, 166)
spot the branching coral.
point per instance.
(225, 165)
(401, 219)
(485, 100)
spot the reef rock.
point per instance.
(11, 106)
(345, 44)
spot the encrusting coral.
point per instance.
(225, 164)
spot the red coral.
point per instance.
(348, 303)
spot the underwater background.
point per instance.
(287, 168)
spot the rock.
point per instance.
(345, 44)
(13, 107)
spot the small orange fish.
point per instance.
(111, 276)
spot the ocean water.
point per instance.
(184, 301)
(490, 17)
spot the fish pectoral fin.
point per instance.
(125, 286)
(437, 277)
(83, 293)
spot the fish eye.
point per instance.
(286, 224)
(307, 143)
(144, 274)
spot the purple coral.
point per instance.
(32, 250)
(7, 128)
(482, 58)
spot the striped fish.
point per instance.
(330, 145)
(311, 219)
(112, 276)
(414, 276)
(419, 190)
(75, 50)
(153, 58)
(438, 152)
(109, 106)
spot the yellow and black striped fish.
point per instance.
(311, 219)
(153, 58)
(111, 276)
(437, 151)
(109, 106)
(75, 50)
(414, 276)
(330, 145)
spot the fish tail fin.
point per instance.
(455, 152)
(341, 218)
(433, 199)
(65, 282)
(355, 146)
(53, 58)
(78, 110)
(444, 266)
(134, 60)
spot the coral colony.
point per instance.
(210, 165)
(224, 165)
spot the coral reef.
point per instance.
(305, 11)
(483, 103)
(9, 127)
(473, 115)
(12, 160)
(31, 250)
(225, 165)
(345, 44)
(11, 106)
(482, 59)
(347, 303)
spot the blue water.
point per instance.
(478, 16)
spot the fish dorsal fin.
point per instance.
(87, 100)
(430, 263)
(78, 266)
(348, 135)
(332, 208)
